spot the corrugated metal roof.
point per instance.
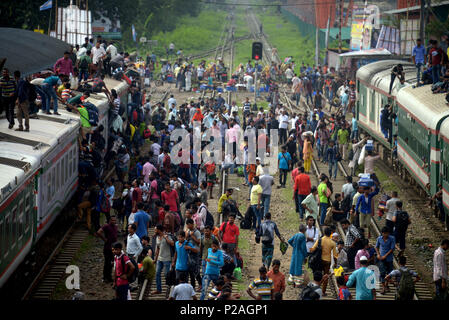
(28, 51)
(414, 8)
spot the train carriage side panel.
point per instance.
(59, 178)
(17, 208)
(444, 164)
(421, 114)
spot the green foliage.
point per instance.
(437, 29)
(286, 38)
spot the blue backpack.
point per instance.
(92, 110)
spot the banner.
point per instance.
(364, 36)
(47, 5)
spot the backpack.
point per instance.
(32, 95)
(105, 204)
(402, 220)
(246, 223)
(267, 236)
(309, 293)
(177, 220)
(406, 287)
(351, 154)
(135, 274)
(84, 64)
(146, 133)
(92, 110)
(170, 280)
(346, 204)
(209, 219)
(166, 162)
(160, 187)
(315, 262)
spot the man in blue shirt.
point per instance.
(180, 259)
(142, 221)
(364, 207)
(284, 161)
(214, 262)
(50, 92)
(365, 281)
(419, 59)
(385, 245)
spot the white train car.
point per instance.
(39, 174)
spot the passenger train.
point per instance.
(422, 124)
(39, 175)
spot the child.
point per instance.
(66, 92)
(343, 291)
(216, 290)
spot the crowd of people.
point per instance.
(149, 191)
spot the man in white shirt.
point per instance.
(112, 50)
(391, 209)
(311, 234)
(289, 74)
(171, 102)
(347, 188)
(249, 82)
(98, 54)
(283, 127)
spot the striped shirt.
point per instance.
(263, 287)
(213, 294)
(7, 86)
(65, 94)
(116, 104)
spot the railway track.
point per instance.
(423, 291)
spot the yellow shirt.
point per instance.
(222, 199)
(328, 245)
(259, 171)
(60, 88)
(255, 191)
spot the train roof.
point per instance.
(425, 106)
(378, 74)
(21, 153)
(444, 130)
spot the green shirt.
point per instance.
(149, 268)
(88, 60)
(84, 116)
(343, 136)
(322, 188)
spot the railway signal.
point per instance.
(257, 51)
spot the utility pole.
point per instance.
(421, 22)
(426, 21)
(317, 47)
(326, 56)
(340, 24)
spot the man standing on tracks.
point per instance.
(108, 233)
(255, 202)
(401, 221)
(263, 285)
(353, 241)
(364, 280)
(301, 189)
(365, 208)
(385, 246)
(328, 247)
(266, 181)
(124, 268)
(266, 232)
(440, 276)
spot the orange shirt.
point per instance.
(278, 281)
(251, 168)
(198, 116)
(303, 186)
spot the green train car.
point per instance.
(420, 116)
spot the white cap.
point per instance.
(258, 159)
(363, 258)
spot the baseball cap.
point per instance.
(363, 258)
(258, 159)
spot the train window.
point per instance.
(74, 161)
(48, 186)
(63, 171)
(2, 240)
(69, 165)
(28, 209)
(53, 182)
(14, 224)
(59, 175)
(20, 220)
(7, 234)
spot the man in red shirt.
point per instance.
(123, 270)
(301, 190)
(229, 233)
(170, 197)
(436, 60)
(277, 277)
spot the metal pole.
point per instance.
(255, 84)
(339, 31)
(49, 22)
(317, 47)
(421, 22)
(56, 19)
(326, 58)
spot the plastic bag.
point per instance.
(283, 247)
(238, 274)
(362, 156)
